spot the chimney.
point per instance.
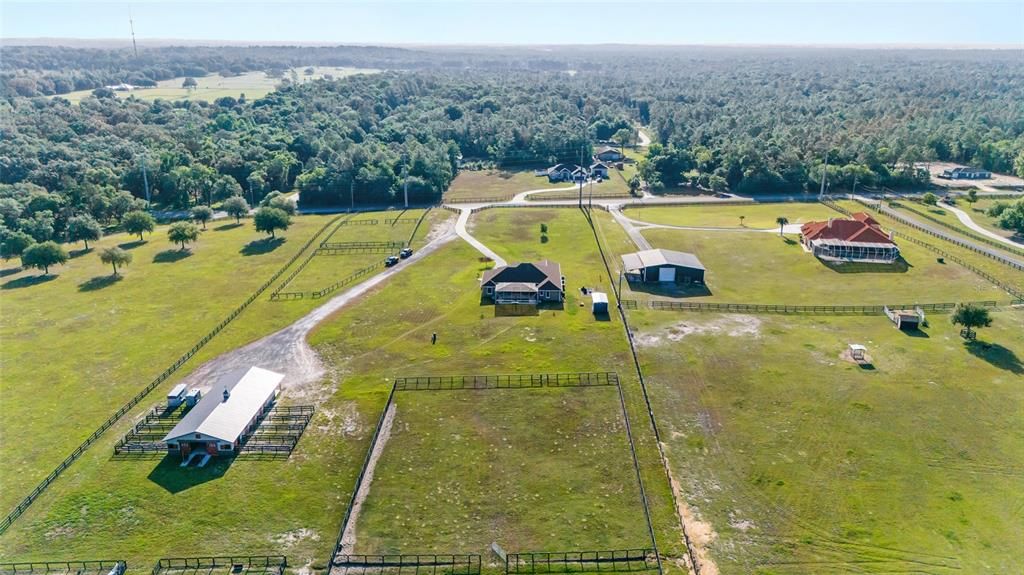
(830, 223)
(227, 394)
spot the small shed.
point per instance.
(176, 396)
(600, 302)
(858, 352)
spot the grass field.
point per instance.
(77, 345)
(325, 270)
(750, 267)
(389, 335)
(253, 84)
(532, 469)
(976, 211)
(801, 462)
(137, 508)
(495, 184)
(755, 216)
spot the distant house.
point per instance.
(962, 173)
(122, 87)
(663, 266)
(529, 283)
(608, 154)
(599, 169)
(858, 239)
(561, 172)
(227, 414)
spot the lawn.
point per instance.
(78, 344)
(755, 216)
(137, 509)
(531, 469)
(757, 267)
(798, 461)
(495, 185)
(253, 84)
(389, 335)
(976, 211)
(324, 270)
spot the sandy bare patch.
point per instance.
(343, 421)
(348, 537)
(737, 325)
(290, 538)
(699, 534)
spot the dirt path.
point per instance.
(348, 537)
(287, 351)
(966, 220)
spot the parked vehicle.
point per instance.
(405, 253)
(392, 260)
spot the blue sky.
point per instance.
(528, 22)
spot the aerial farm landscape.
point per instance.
(473, 310)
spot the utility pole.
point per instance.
(352, 194)
(590, 205)
(145, 178)
(131, 24)
(581, 179)
(405, 176)
(252, 197)
(824, 175)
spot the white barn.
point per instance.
(230, 411)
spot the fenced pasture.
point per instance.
(526, 468)
(430, 564)
(63, 568)
(898, 465)
(604, 561)
(763, 268)
(508, 381)
(754, 215)
(222, 565)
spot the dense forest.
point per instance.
(726, 119)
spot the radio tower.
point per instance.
(131, 25)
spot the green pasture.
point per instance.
(496, 184)
(976, 211)
(755, 215)
(530, 469)
(799, 461)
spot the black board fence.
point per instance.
(344, 281)
(34, 494)
(506, 381)
(415, 564)
(967, 233)
(808, 309)
(115, 567)
(606, 561)
(275, 295)
(234, 563)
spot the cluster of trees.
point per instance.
(1010, 216)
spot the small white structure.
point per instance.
(227, 414)
(857, 352)
(176, 396)
(600, 302)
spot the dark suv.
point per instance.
(405, 253)
(392, 260)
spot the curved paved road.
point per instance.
(460, 229)
(966, 220)
(992, 252)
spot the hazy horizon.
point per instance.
(901, 24)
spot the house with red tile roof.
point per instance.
(857, 239)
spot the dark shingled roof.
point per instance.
(539, 274)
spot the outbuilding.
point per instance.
(227, 414)
(599, 301)
(663, 266)
(176, 396)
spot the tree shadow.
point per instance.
(997, 355)
(78, 253)
(789, 241)
(171, 256)
(900, 266)
(226, 227)
(259, 247)
(174, 478)
(10, 271)
(131, 245)
(28, 281)
(99, 282)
